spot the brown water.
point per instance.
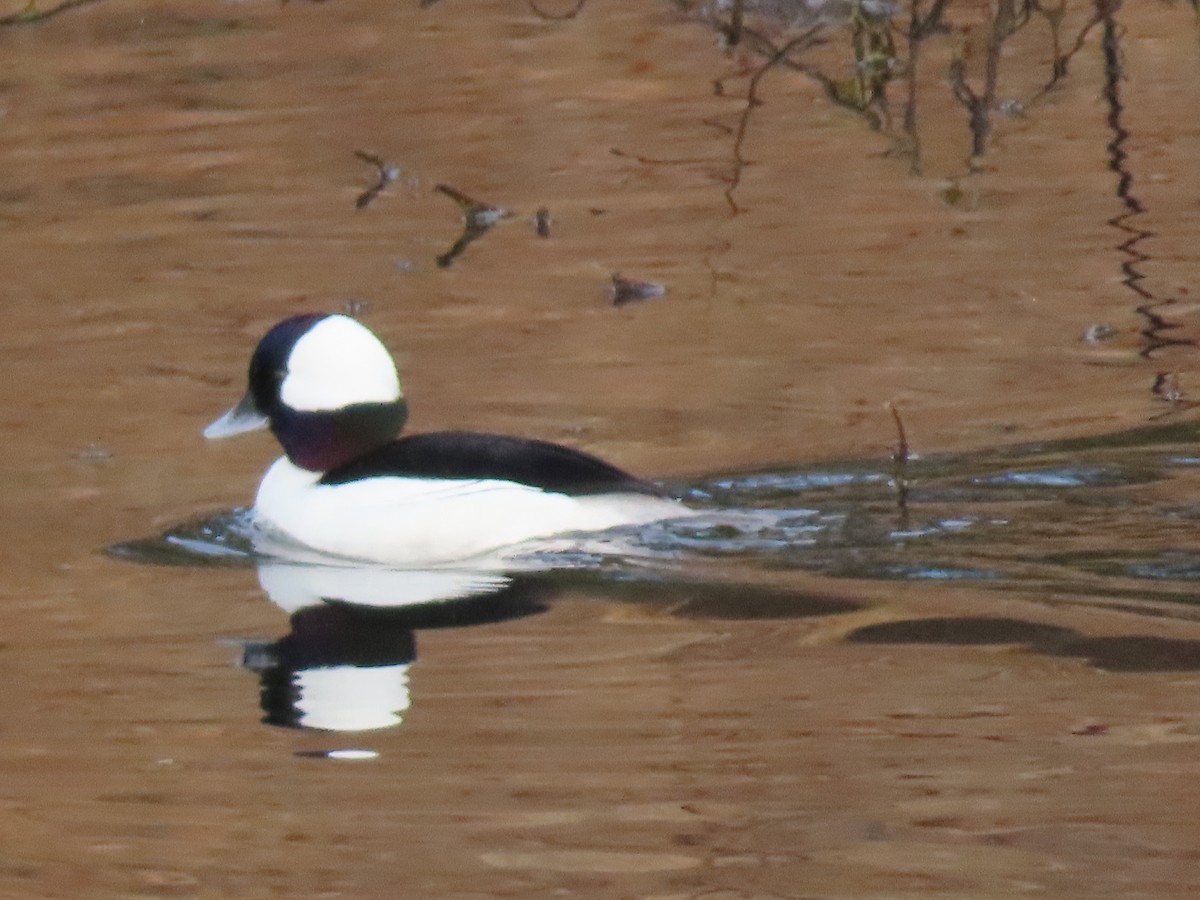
(989, 689)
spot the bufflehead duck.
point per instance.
(349, 487)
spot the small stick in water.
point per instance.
(387, 174)
(478, 219)
(900, 457)
(626, 290)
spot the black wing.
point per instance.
(466, 454)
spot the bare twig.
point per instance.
(570, 14)
(900, 457)
(1062, 60)
(387, 174)
(30, 15)
(920, 27)
(478, 220)
(733, 31)
(803, 41)
(628, 290)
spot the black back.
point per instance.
(470, 455)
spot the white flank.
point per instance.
(338, 362)
(427, 522)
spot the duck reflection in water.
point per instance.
(344, 664)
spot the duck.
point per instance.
(350, 487)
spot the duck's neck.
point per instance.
(320, 441)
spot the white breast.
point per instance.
(418, 521)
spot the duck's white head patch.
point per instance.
(337, 363)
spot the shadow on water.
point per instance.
(1090, 521)
(1135, 653)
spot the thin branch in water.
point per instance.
(900, 453)
(802, 42)
(920, 27)
(720, 126)
(652, 161)
(627, 290)
(561, 17)
(1058, 68)
(1007, 21)
(31, 15)
(1168, 389)
(478, 220)
(736, 27)
(386, 175)
(900, 457)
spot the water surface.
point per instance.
(970, 675)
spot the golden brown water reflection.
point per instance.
(177, 177)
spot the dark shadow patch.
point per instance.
(734, 603)
(1137, 653)
(960, 632)
(1132, 653)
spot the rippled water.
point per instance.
(972, 675)
(1087, 521)
(1091, 516)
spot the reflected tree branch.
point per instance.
(802, 42)
(1054, 17)
(920, 27)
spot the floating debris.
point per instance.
(626, 290)
(1098, 333)
(355, 307)
(387, 174)
(93, 453)
(1166, 387)
(478, 220)
(541, 222)
(1012, 108)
